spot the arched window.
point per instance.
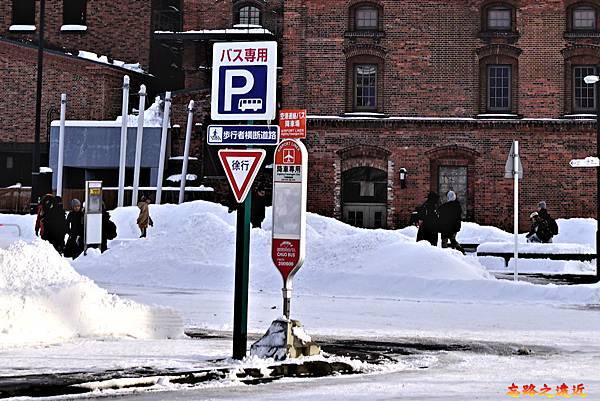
(498, 69)
(249, 15)
(580, 61)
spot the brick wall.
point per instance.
(119, 29)
(483, 147)
(431, 51)
(93, 90)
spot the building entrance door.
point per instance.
(454, 178)
(364, 197)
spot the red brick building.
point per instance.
(441, 89)
(93, 86)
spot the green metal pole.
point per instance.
(242, 268)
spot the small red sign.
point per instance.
(286, 255)
(292, 124)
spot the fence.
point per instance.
(15, 200)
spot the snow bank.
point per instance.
(44, 300)
(192, 246)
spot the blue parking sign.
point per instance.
(244, 81)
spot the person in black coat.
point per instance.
(450, 221)
(55, 226)
(74, 246)
(259, 202)
(427, 219)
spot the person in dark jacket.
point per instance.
(74, 246)
(258, 206)
(540, 230)
(427, 219)
(55, 225)
(543, 213)
(450, 221)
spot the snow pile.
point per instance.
(153, 116)
(44, 300)
(177, 177)
(135, 67)
(192, 246)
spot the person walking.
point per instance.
(427, 219)
(75, 227)
(109, 229)
(144, 220)
(450, 221)
(258, 206)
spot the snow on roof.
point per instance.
(135, 67)
(239, 29)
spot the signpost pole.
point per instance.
(597, 182)
(287, 300)
(242, 273)
(516, 207)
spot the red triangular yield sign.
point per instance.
(241, 167)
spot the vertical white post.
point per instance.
(516, 206)
(123, 150)
(163, 148)
(61, 144)
(186, 153)
(138, 146)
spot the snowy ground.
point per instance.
(356, 283)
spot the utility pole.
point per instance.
(38, 112)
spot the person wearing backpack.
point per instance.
(543, 213)
(540, 230)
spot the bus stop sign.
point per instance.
(244, 81)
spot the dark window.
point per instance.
(378, 220)
(499, 18)
(74, 12)
(584, 18)
(365, 85)
(584, 96)
(367, 18)
(249, 15)
(23, 12)
(499, 79)
(10, 162)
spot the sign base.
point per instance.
(285, 339)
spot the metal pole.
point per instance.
(516, 206)
(138, 146)
(163, 148)
(123, 150)
(287, 298)
(38, 110)
(186, 152)
(597, 89)
(242, 268)
(61, 144)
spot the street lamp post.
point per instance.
(38, 111)
(592, 80)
